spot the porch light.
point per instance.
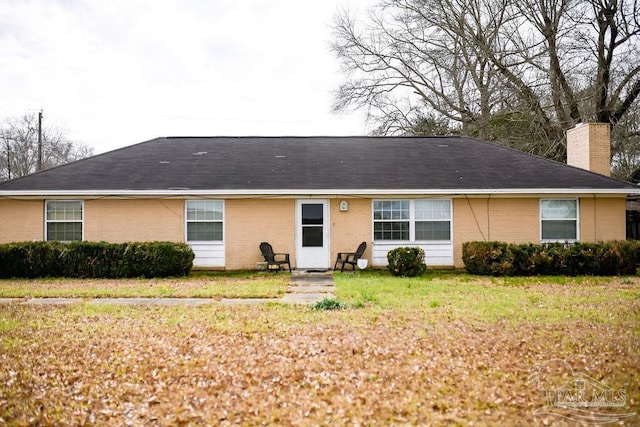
(344, 206)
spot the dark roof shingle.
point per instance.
(312, 163)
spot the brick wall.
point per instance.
(21, 220)
(119, 221)
(501, 219)
(350, 228)
(602, 219)
(251, 221)
(517, 220)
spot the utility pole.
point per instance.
(8, 160)
(40, 140)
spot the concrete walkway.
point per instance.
(305, 287)
(113, 301)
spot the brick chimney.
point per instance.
(589, 147)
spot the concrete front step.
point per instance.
(294, 298)
(312, 281)
(303, 279)
(311, 289)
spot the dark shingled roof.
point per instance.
(312, 163)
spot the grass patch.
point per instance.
(540, 299)
(198, 285)
(553, 280)
(328, 304)
(7, 325)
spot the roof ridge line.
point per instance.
(310, 137)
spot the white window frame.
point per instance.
(374, 220)
(187, 221)
(48, 221)
(577, 219)
(417, 220)
(412, 220)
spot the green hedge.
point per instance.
(95, 259)
(613, 258)
(406, 261)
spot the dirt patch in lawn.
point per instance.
(289, 365)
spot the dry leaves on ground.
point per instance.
(280, 365)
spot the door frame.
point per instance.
(324, 258)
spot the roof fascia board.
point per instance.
(321, 192)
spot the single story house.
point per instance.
(316, 196)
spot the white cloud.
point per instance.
(118, 72)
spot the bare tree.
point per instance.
(410, 58)
(626, 146)
(19, 147)
(532, 67)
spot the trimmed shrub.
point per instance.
(95, 259)
(485, 258)
(503, 259)
(30, 259)
(406, 261)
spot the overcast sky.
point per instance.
(117, 72)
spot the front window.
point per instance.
(205, 220)
(391, 220)
(64, 220)
(433, 219)
(559, 220)
(412, 220)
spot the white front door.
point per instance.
(312, 234)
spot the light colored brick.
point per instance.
(517, 220)
(602, 219)
(251, 221)
(116, 220)
(589, 147)
(352, 227)
(21, 220)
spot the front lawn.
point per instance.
(197, 285)
(441, 349)
(461, 296)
